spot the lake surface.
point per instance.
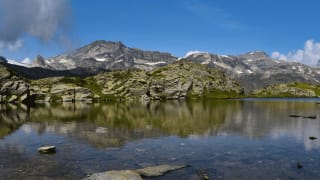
(229, 139)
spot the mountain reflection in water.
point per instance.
(117, 125)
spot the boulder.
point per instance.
(115, 175)
(47, 149)
(153, 171)
(158, 170)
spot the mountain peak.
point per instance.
(104, 43)
(255, 55)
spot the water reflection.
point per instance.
(112, 125)
(232, 139)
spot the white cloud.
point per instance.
(26, 61)
(310, 54)
(12, 46)
(194, 52)
(44, 20)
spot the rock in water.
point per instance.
(158, 170)
(312, 138)
(47, 149)
(299, 165)
(115, 175)
(135, 174)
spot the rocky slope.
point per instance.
(288, 90)
(179, 80)
(106, 55)
(176, 81)
(13, 87)
(256, 70)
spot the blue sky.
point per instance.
(179, 26)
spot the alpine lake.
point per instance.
(217, 139)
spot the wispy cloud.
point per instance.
(41, 19)
(213, 14)
(310, 54)
(194, 52)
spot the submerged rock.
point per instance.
(153, 171)
(203, 174)
(47, 149)
(115, 175)
(158, 170)
(299, 165)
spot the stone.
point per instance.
(158, 170)
(47, 149)
(153, 171)
(115, 175)
(312, 138)
(299, 165)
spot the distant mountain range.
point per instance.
(251, 70)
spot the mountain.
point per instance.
(257, 70)
(106, 55)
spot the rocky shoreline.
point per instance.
(181, 80)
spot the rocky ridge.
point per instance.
(183, 79)
(255, 70)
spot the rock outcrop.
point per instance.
(176, 81)
(288, 90)
(13, 88)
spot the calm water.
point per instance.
(231, 139)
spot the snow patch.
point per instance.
(63, 61)
(249, 60)
(239, 72)
(155, 63)
(121, 60)
(226, 56)
(249, 71)
(10, 61)
(100, 59)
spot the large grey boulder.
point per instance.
(153, 171)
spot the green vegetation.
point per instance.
(219, 94)
(306, 86)
(297, 90)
